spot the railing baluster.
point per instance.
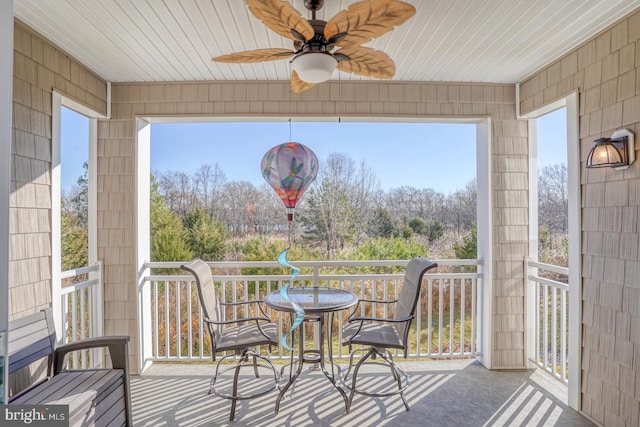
(452, 310)
(463, 319)
(280, 322)
(563, 335)
(440, 314)
(167, 338)
(418, 322)
(178, 322)
(156, 325)
(83, 354)
(201, 331)
(430, 317)
(554, 330)
(472, 338)
(545, 325)
(189, 324)
(74, 326)
(538, 329)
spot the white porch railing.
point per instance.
(551, 296)
(447, 318)
(81, 314)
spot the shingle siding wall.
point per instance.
(361, 99)
(39, 68)
(606, 72)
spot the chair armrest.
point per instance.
(117, 345)
(241, 302)
(377, 301)
(255, 301)
(244, 319)
(380, 319)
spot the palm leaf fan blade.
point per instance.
(367, 62)
(366, 20)
(281, 18)
(298, 85)
(258, 55)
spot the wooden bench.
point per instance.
(96, 397)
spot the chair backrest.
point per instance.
(409, 295)
(206, 292)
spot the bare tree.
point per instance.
(339, 203)
(178, 191)
(553, 197)
(463, 204)
(240, 201)
(209, 182)
(366, 192)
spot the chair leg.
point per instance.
(372, 353)
(255, 366)
(396, 376)
(392, 368)
(234, 392)
(212, 383)
(243, 361)
(256, 356)
(355, 375)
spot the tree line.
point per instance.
(206, 215)
(345, 206)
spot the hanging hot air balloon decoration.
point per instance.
(289, 168)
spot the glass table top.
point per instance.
(312, 299)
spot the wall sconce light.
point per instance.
(617, 152)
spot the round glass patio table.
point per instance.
(319, 305)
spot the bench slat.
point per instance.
(81, 403)
(26, 320)
(110, 411)
(27, 356)
(31, 338)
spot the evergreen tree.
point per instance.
(169, 239)
(381, 224)
(434, 230)
(469, 247)
(206, 236)
(418, 226)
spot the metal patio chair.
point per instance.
(250, 332)
(375, 335)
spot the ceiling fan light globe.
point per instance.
(314, 67)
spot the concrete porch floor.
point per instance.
(442, 393)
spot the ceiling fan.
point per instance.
(321, 46)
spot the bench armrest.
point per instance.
(117, 345)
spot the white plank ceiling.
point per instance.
(496, 41)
